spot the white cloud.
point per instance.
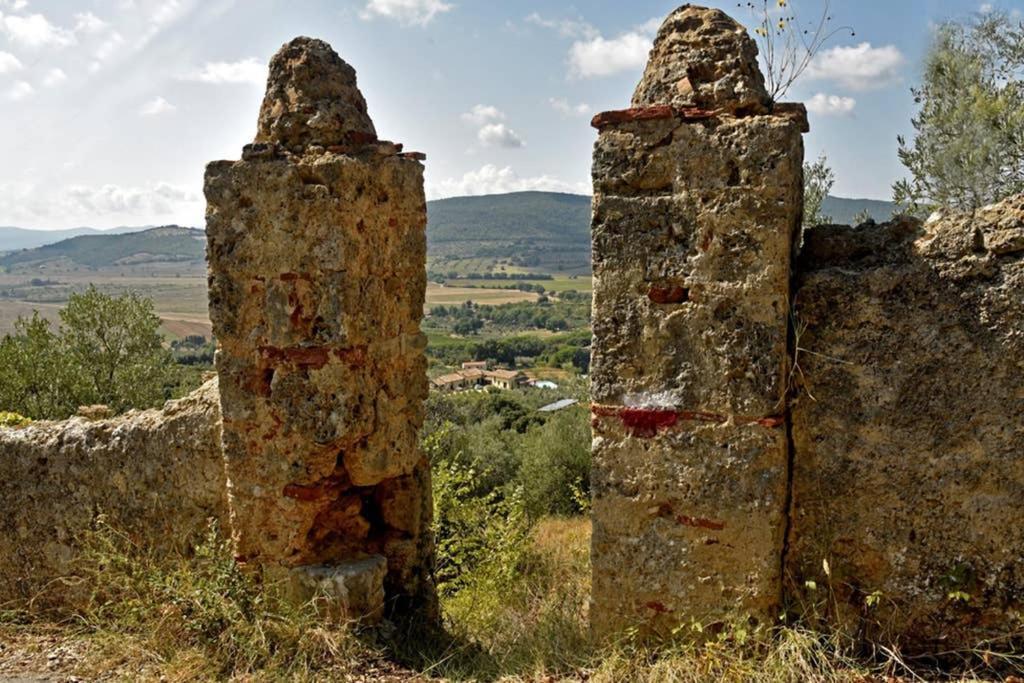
(109, 47)
(986, 8)
(9, 63)
(54, 77)
(157, 106)
(14, 4)
(568, 28)
(409, 12)
(20, 91)
(490, 179)
(830, 105)
(483, 113)
(87, 22)
(604, 57)
(249, 70)
(860, 67)
(41, 204)
(166, 12)
(492, 133)
(592, 55)
(499, 135)
(157, 199)
(563, 107)
(35, 30)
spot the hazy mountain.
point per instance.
(843, 211)
(167, 244)
(12, 239)
(535, 230)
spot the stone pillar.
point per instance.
(697, 199)
(317, 255)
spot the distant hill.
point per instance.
(844, 211)
(13, 239)
(534, 231)
(540, 231)
(167, 244)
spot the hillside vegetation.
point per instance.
(165, 244)
(538, 231)
(13, 239)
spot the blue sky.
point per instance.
(113, 107)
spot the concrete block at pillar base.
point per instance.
(349, 591)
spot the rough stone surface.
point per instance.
(312, 98)
(693, 226)
(909, 430)
(703, 58)
(157, 475)
(317, 282)
(345, 591)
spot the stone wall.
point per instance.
(697, 200)
(841, 439)
(157, 475)
(317, 252)
(908, 428)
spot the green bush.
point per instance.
(8, 419)
(107, 350)
(555, 468)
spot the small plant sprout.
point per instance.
(959, 596)
(788, 45)
(873, 599)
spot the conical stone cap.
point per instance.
(312, 99)
(703, 58)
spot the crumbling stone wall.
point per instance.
(156, 474)
(908, 428)
(893, 509)
(697, 200)
(317, 253)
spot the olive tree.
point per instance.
(107, 350)
(818, 181)
(968, 147)
(116, 343)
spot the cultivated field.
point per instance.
(178, 297)
(560, 283)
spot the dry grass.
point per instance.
(201, 619)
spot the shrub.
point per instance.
(13, 420)
(555, 469)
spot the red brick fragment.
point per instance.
(673, 294)
(641, 421)
(653, 113)
(610, 118)
(700, 523)
(314, 357)
(316, 491)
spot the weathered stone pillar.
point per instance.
(697, 198)
(317, 255)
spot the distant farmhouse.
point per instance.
(476, 374)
